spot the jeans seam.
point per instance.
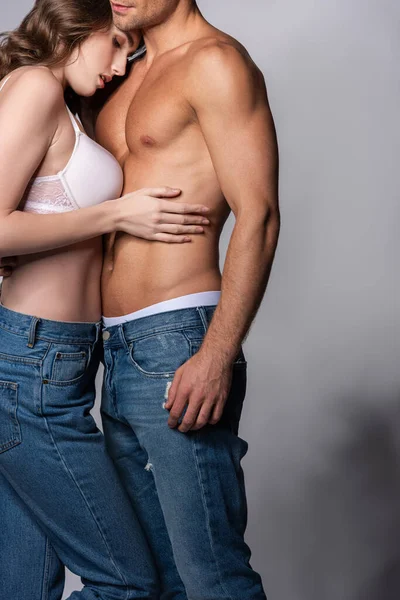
(208, 526)
(45, 589)
(108, 364)
(108, 368)
(70, 473)
(203, 317)
(19, 359)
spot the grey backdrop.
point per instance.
(322, 414)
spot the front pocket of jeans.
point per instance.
(160, 355)
(10, 432)
(69, 366)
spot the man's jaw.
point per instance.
(124, 16)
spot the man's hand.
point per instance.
(202, 385)
(7, 266)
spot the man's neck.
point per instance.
(184, 25)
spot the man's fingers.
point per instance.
(177, 400)
(203, 417)
(191, 415)
(183, 208)
(216, 413)
(176, 411)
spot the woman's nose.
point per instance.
(119, 67)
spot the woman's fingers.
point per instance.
(180, 229)
(182, 207)
(7, 265)
(8, 261)
(171, 218)
(171, 239)
(161, 192)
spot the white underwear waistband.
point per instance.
(188, 301)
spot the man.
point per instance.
(193, 113)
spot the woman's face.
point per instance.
(100, 57)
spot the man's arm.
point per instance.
(229, 97)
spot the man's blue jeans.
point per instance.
(61, 499)
(187, 488)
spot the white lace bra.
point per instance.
(91, 176)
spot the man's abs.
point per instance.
(138, 273)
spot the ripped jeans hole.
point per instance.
(168, 387)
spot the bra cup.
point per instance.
(93, 175)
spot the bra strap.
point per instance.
(73, 121)
(4, 82)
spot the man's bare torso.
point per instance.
(151, 128)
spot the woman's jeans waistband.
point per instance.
(35, 328)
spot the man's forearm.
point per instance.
(246, 272)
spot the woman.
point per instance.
(53, 461)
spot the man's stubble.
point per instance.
(146, 14)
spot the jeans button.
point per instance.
(106, 335)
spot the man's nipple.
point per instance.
(147, 140)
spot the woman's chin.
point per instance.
(86, 93)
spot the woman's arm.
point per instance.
(29, 112)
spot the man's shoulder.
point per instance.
(221, 63)
(215, 49)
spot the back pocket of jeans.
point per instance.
(10, 432)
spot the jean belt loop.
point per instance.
(32, 332)
(99, 327)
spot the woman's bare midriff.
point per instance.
(61, 285)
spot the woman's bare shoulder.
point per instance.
(34, 89)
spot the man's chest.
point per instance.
(145, 115)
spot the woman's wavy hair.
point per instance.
(51, 31)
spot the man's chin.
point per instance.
(123, 23)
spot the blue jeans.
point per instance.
(61, 499)
(187, 489)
